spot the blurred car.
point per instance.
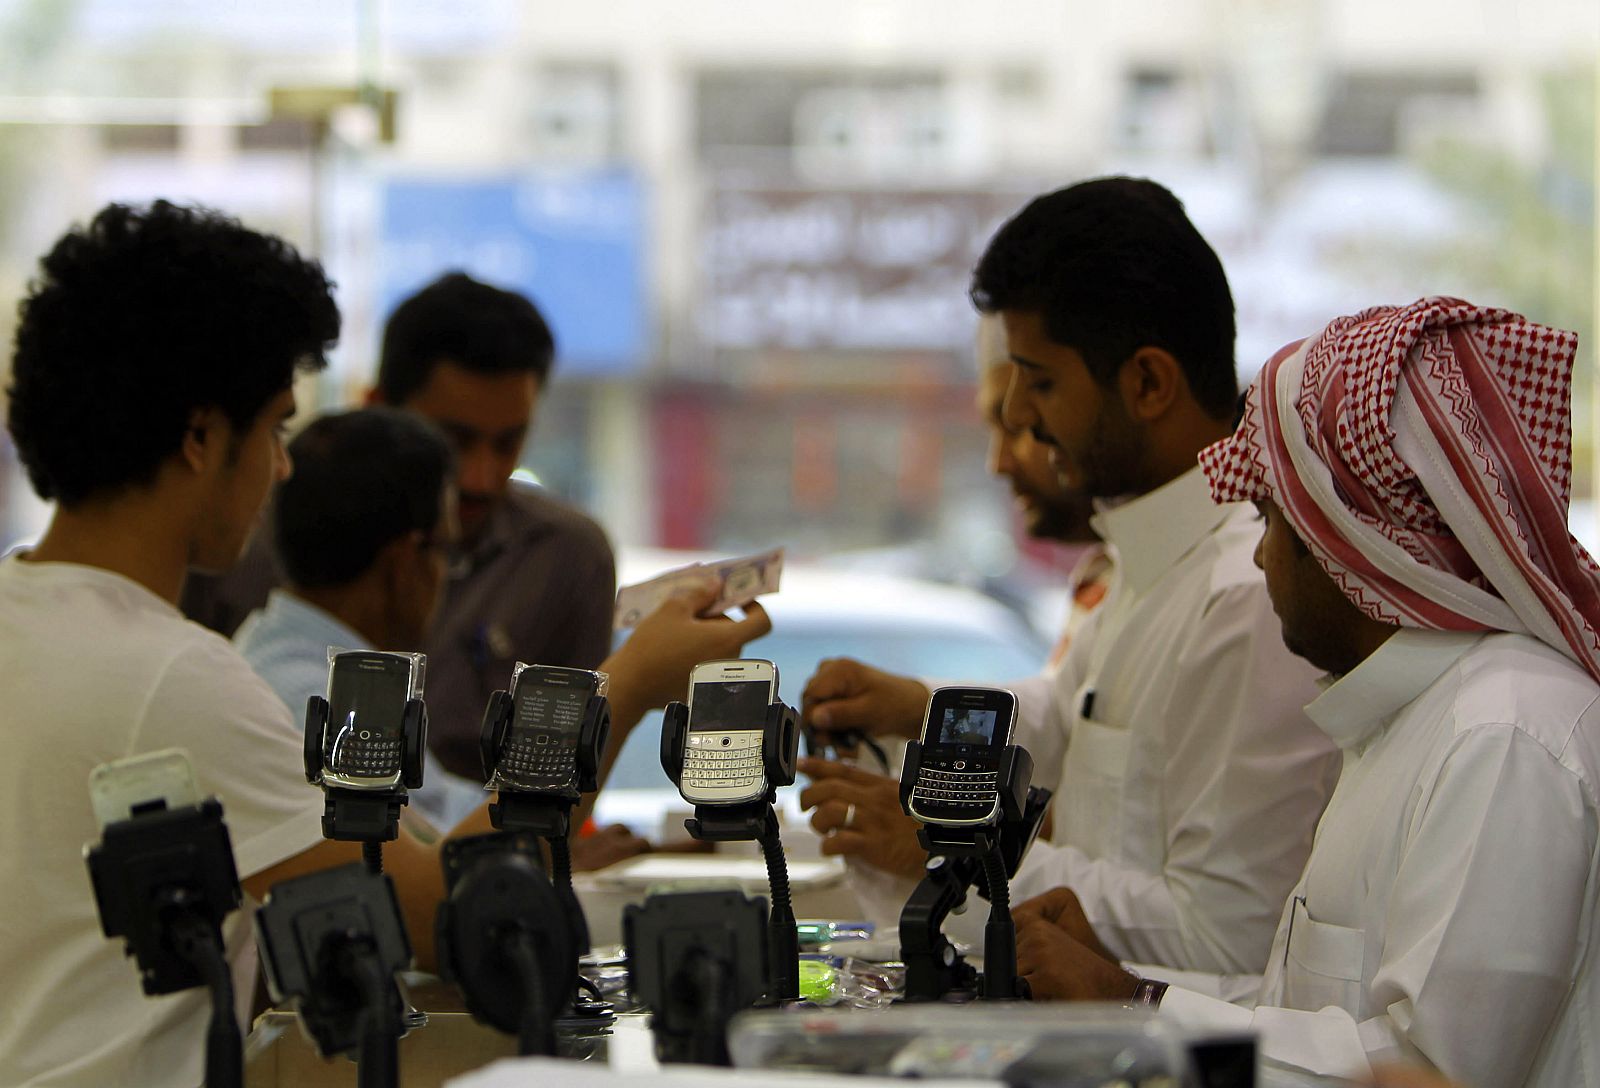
(900, 624)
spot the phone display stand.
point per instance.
(164, 881)
(958, 858)
(333, 943)
(548, 814)
(696, 959)
(370, 817)
(504, 937)
(752, 821)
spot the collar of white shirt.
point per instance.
(1153, 531)
(1355, 706)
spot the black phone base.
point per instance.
(164, 881)
(757, 822)
(549, 816)
(961, 857)
(752, 821)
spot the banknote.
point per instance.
(740, 581)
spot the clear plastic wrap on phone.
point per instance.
(1082, 1046)
(547, 724)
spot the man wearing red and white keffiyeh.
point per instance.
(1412, 466)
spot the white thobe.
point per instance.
(1447, 913)
(1188, 779)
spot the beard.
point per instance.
(1062, 516)
(1111, 462)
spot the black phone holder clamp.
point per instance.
(503, 937)
(333, 943)
(960, 857)
(547, 813)
(164, 881)
(696, 959)
(752, 821)
(368, 816)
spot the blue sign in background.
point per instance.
(571, 242)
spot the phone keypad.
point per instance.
(528, 761)
(376, 757)
(973, 791)
(722, 761)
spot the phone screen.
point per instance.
(729, 705)
(555, 712)
(367, 696)
(965, 725)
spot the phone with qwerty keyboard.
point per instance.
(722, 752)
(364, 736)
(963, 737)
(540, 750)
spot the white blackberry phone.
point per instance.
(722, 752)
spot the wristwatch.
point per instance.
(1148, 994)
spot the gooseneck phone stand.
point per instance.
(958, 858)
(751, 821)
(696, 959)
(368, 816)
(333, 943)
(504, 937)
(164, 880)
(520, 974)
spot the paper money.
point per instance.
(741, 581)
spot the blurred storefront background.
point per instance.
(751, 224)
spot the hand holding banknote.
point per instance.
(740, 581)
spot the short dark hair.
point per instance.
(361, 479)
(1113, 265)
(460, 320)
(139, 319)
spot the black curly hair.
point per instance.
(139, 319)
(1112, 265)
(477, 326)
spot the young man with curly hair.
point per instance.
(151, 381)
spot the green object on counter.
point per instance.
(819, 982)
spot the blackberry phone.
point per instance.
(364, 739)
(722, 752)
(963, 737)
(540, 746)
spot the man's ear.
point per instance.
(206, 438)
(1151, 381)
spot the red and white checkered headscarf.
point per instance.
(1424, 455)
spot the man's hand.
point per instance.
(652, 668)
(878, 832)
(1059, 968)
(606, 846)
(845, 694)
(1060, 908)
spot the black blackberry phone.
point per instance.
(363, 741)
(963, 737)
(540, 749)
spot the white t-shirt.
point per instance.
(1188, 778)
(1447, 913)
(94, 667)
